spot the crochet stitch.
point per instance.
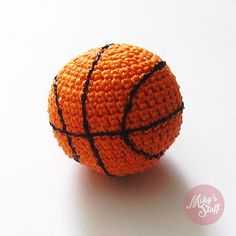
(115, 109)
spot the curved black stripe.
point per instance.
(60, 114)
(128, 131)
(128, 109)
(84, 113)
(141, 152)
(158, 122)
(134, 90)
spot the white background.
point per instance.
(42, 192)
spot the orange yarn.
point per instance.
(115, 109)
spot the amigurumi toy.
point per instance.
(115, 109)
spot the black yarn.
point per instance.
(134, 90)
(59, 110)
(120, 132)
(84, 113)
(128, 108)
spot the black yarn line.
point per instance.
(134, 90)
(59, 110)
(83, 135)
(57, 104)
(128, 131)
(128, 108)
(141, 152)
(160, 121)
(84, 112)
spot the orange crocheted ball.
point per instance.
(115, 109)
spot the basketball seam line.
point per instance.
(120, 132)
(84, 112)
(146, 154)
(60, 114)
(128, 108)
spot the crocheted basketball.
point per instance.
(115, 109)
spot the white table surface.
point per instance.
(44, 193)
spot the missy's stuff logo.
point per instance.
(204, 204)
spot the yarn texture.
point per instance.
(115, 109)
